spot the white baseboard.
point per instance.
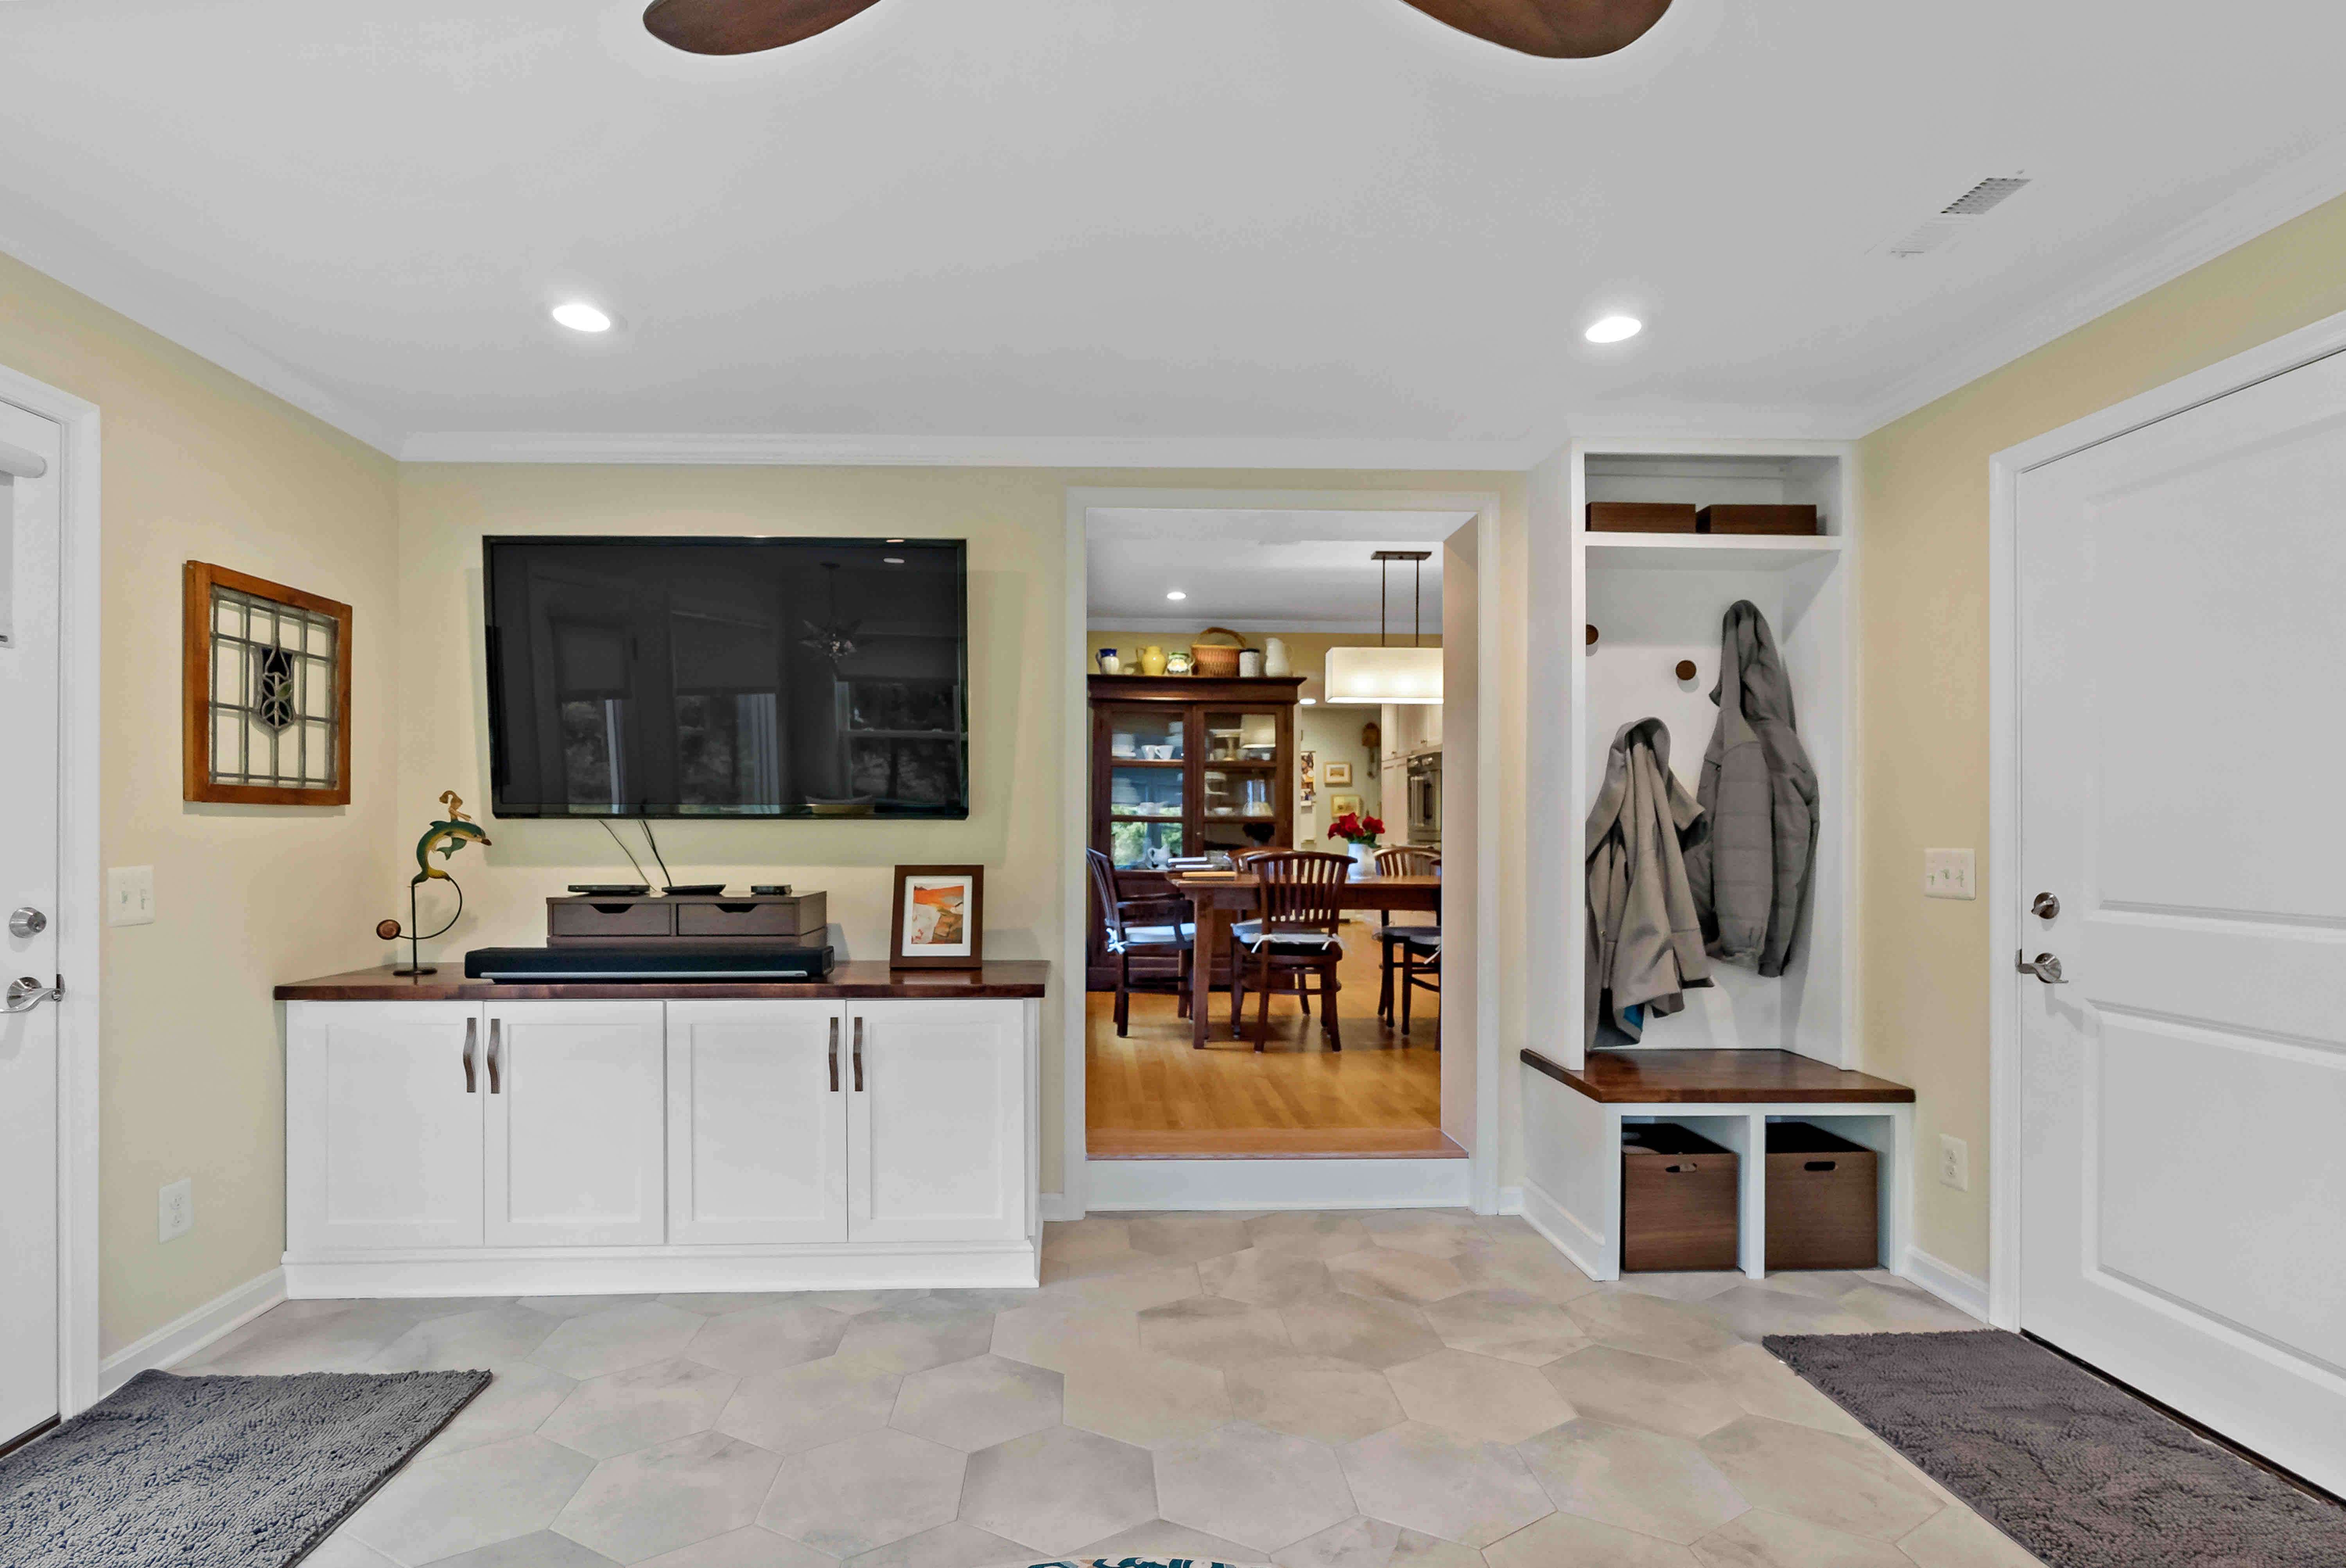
(1584, 1250)
(1054, 1206)
(1207, 1183)
(183, 1336)
(1964, 1292)
(1511, 1200)
(648, 1270)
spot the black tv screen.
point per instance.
(728, 677)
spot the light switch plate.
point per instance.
(1947, 875)
(175, 1209)
(130, 895)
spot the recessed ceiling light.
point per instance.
(581, 316)
(1613, 329)
(894, 560)
(1176, 594)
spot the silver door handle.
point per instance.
(2044, 966)
(27, 922)
(859, 1055)
(27, 994)
(2045, 906)
(496, 1027)
(471, 1045)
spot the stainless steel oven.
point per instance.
(1425, 798)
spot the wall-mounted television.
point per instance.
(727, 677)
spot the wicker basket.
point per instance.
(1214, 661)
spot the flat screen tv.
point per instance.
(728, 677)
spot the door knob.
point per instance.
(2045, 906)
(27, 994)
(2044, 966)
(27, 922)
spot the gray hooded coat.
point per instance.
(1645, 941)
(1754, 879)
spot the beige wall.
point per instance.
(1021, 668)
(1923, 773)
(200, 465)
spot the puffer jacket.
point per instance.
(1754, 879)
(1645, 940)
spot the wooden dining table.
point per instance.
(1218, 901)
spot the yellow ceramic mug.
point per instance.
(1152, 660)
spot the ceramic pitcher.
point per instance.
(1274, 657)
(1152, 660)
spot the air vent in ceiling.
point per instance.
(1939, 232)
(1983, 195)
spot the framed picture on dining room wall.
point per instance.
(1337, 774)
(940, 918)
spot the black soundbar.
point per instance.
(648, 965)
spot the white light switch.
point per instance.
(130, 895)
(1947, 875)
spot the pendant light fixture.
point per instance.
(1410, 677)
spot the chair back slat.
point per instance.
(1104, 884)
(1298, 891)
(1409, 861)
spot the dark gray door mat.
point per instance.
(216, 1472)
(2083, 1474)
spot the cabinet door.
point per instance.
(382, 1125)
(576, 1100)
(936, 1121)
(756, 1121)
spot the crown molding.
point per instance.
(979, 452)
(2293, 190)
(133, 293)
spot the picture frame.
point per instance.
(1336, 773)
(938, 920)
(1339, 804)
(265, 691)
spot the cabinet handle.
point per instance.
(472, 1044)
(859, 1055)
(834, 1055)
(496, 1027)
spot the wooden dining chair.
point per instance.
(1294, 939)
(1404, 944)
(1155, 927)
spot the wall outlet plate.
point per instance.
(130, 895)
(1947, 875)
(175, 1209)
(1954, 1162)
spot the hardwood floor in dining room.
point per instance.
(1149, 1093)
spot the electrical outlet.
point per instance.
(1954, 1162)
(1947, 875)
(176, 1209)
(130, 895)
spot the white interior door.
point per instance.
(576, 1101)
(756, 1121)
(2182, 739)
(28, 882)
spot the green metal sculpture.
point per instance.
(446, 837)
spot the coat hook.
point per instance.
(1592, 636)
(1685, 669)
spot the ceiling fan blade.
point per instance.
(1551, 29)
(745, 26)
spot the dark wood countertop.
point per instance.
(1718, 1077)
(1011, 979)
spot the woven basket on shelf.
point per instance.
(1214, 661)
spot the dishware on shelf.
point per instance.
(1121, 743)
(1274, 657)
(1250, 663)
(1152, 660)
(1179, 663)
(1110, 662)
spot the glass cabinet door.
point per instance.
(1238, 780)
(1147, 785)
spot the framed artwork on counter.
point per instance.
(939, 920)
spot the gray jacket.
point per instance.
(1755, 878)
(1645, 941)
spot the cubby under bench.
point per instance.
(1573, 1118)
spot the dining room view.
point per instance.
(1264, 837)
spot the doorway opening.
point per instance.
(1275, 681)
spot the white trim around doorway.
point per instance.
(2288, 352)
(1269, 1183)
(78, 880)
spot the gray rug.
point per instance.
(2083, 1474)
(216, 1472)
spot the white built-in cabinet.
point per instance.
(611, 1144)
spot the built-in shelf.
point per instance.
(1710, 552)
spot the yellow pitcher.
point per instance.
(1152, 660)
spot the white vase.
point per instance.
(1365, 858)
(1274, 657)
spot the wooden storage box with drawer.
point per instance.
(687, 919)
(1824, 1200)
(603, 920)
(1641, 517)
(1757, 520)
(1678, 1200)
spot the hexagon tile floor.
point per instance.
(1410, 1388)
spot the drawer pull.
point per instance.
(1683, 1165)
(612, 909)
(1821, 1166)
(472, 1043)
(834, 1055)
(738, 908)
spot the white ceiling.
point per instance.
(1260, 571)
(1218, 227)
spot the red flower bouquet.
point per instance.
(1355, 828)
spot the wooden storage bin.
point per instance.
(799, 915)
(1641, 517)
(588, 919)
(685, 920)
(1725, 519)
(1678, 1200)
(1824, 1200)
